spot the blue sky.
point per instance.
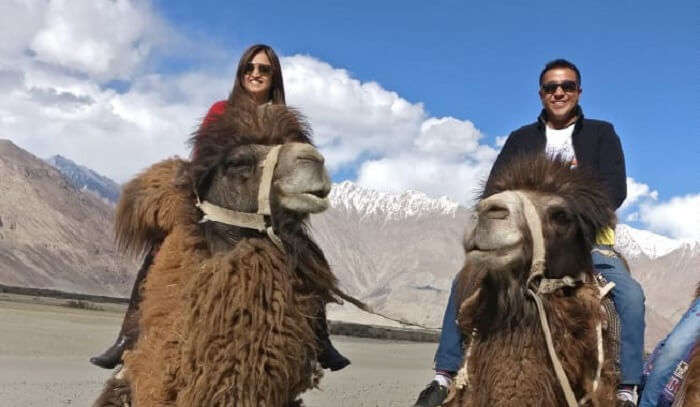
(400, 95)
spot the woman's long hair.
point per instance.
(277, 83)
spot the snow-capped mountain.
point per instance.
(635, 242)
(86, 179)
(352, 197)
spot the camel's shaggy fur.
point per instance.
(246, 124)
(152, 204)
(222, 328)
(508, 364)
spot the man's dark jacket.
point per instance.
(595, 144)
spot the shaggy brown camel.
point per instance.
(536, 225)
(229, 313)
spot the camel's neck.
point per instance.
(222, 238)
(511, 368)
(514, 364)
(502, 305)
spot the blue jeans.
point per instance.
(629, 303)
(628, 297)
(670, 352)
(449, 352)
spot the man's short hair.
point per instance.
(561, 63)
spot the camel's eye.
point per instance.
(239, 165)
(560, 216)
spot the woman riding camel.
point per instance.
(258, 81)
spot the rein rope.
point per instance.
(262, 219)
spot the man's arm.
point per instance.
(612, 165)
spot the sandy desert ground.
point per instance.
(44, 348)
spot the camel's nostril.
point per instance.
(312, 158)
(321, 193)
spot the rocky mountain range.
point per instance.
(397, 252)
(52, 233)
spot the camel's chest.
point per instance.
(249, 319)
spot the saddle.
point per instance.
(611, 323)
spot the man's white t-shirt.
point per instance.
(559, 143)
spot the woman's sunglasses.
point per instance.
(566, 86)
(263, 69)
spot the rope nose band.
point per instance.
(257, 221)
(534, 224)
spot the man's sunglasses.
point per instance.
(264, 69)
(566, 86)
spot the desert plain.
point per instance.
(45, 346)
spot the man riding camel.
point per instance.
(562, 130)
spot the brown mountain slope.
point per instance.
(53, 235)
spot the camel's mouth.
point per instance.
(494, 256)
(490, 243)
(485, 248)
(306, 202)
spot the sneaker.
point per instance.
(431, 396)
(626, 398)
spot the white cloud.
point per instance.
(394, 142)
(19, 22)
(103, 39)
(501, 141)
(447, 137)
(53, 99)
(433, 175)
(637, 192)
(350, 118)
(678, 217)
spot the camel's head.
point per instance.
(261, 165)
(532, 194)
(299, 181)
(502, 240)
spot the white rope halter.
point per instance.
(258, 220)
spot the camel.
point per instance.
(536, 226)
(233, 298)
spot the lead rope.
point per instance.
(558, 368)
